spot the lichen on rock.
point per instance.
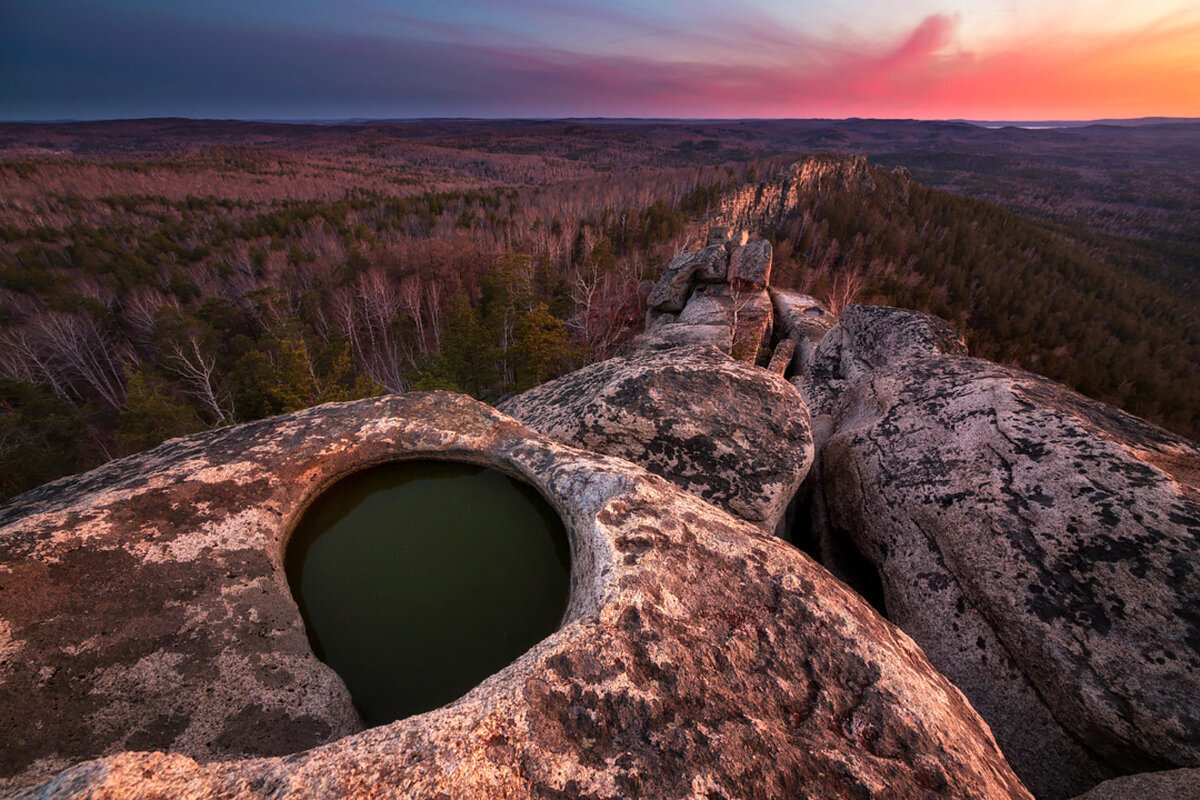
(1040, 546)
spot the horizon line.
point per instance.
(1048, 122)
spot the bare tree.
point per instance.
(378, 305)
(188, 359)
(606, 303)
(411, 294)
(848, 282)
(433, 301)
(140, 310)
(76, 345)
(21, 360)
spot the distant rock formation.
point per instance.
(144, 607)
(1043, 548)
(763, 206)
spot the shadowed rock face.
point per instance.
(709, 265)
(1174, 784)
(1043, 548)
(734, 435)
(698, 654)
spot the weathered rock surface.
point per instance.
(755, 320)
(732, 434)
(781, 357)
(746, 313)
(1173, 784)
(709, 304)
(144, 606)
(750, 265)
(708, 265)
(668, 336)
(1043, 548)
(870, 337)
(803, 320)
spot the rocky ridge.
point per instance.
(698, 655)
(1040, 548)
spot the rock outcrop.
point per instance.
(710, 297)
(732, 434)
(144, 606)
(750, 265)
(1043, 548)
(709, 265)
(1173, 784)
(764, 206)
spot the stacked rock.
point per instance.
(714, 296)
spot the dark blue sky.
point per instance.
(296, 59)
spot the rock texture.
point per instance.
(724, 299)
(781, 357)
(750, 265)
(1175, 784)
(708, 305)
(669, 337)
(698, 657)
(1043, 548)
(754, 321)
(709, 265)
(734, 435)
(803, 320)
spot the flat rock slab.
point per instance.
(732, 434)
(1043, 548)
(698, 656)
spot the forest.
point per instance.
(147, 293)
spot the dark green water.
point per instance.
(419, 579)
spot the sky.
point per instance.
(339, 59)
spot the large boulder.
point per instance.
(145, 606)
(1043, 548)
(866, 338)
(750, 265)
(671, 292)
(732, 434)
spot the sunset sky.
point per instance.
(306, 59)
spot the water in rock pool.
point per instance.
(419, 579)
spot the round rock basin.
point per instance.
(419, 579)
